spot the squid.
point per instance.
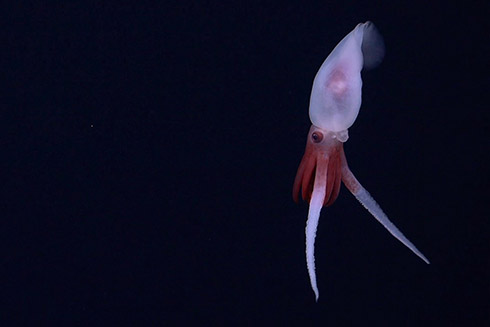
(334, 105)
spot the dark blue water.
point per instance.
(149, 151)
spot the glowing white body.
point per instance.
(336, 93)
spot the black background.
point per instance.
(149, 150)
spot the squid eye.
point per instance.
(317, 137)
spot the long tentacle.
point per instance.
(316, 204)
(363, 196)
